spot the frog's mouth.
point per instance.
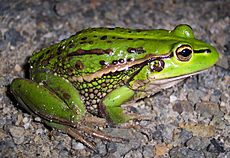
(177, 78)
(169, 82)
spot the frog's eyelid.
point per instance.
(202, 51)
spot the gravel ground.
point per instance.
(191, 119)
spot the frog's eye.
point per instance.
(184, 53)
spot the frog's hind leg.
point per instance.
(59, 105)
(53, 99)
(39, 100)
(63, 89)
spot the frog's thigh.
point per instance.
(111, 104)
(38, 99)
(63, 89)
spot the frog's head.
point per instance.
(180, 56)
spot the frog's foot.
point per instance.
(94, 133)
(101, 135)
(139, 117)
(134, 122)
(91, 120)
(81, 132)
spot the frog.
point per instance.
(83, 81)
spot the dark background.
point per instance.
(189, 120)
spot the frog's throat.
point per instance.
(122, 66)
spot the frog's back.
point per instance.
(92, 49)
(87, 51)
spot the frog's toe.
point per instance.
(101, 135)
(78, 136)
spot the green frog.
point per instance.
(81, 82)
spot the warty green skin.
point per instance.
(99, 69)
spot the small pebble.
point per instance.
(148, 151)
(14, 36)
(17, 134)
(134, 154)
(3, 45)
(18, 68)
(39, 131)
(173, 98)
(160, 149)
(38, 119)
(183, 152)
(201, 130)
(195, 143)
(77, 145)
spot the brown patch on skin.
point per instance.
(123, 66)
(104, 37)
(89, 42)
(79, 65)
(103, 113)
(72, 45)
(129, 59)
(84, 38)
(114, 62)
(66, 96)
(158, 65)
(102, 62)
(109, 41)
(59, 50)
(121, 60)
(47, 52)
(91, 51)
(138, 50)
(46, 61)
(70, 71)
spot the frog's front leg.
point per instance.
(111, 105)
